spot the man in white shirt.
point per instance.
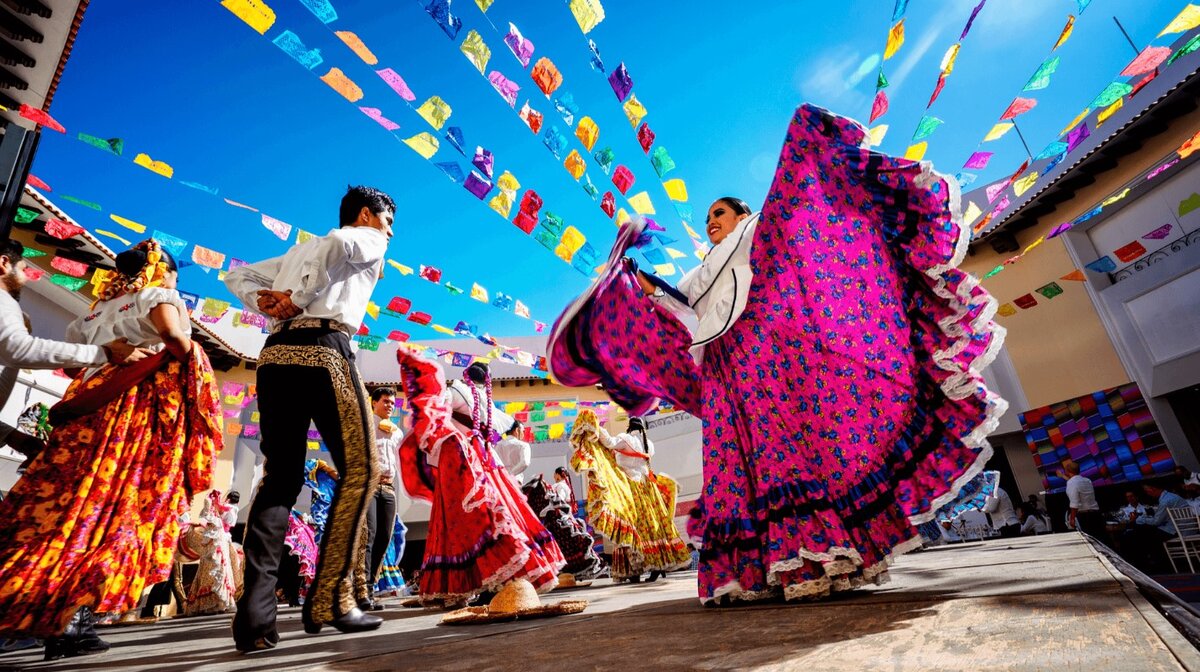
(1133, 507)
(20, 350)
(316, 296)
(1004, 519)
(381, 512)
(514, 453)
(1084, 512)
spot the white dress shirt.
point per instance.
(21, 350)
(1081, 495)
(515, 455)
(1035, 524)
(331, 277)
(1001, 509)
(388, 445)
(128, 316)
(636, 468)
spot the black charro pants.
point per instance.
(308, 375)
(381, 523)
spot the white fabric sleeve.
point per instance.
(365, 246)
(20, 349)
(246, 281)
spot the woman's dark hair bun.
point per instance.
(130, 262)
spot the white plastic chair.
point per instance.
(1187, 541)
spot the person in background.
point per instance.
(1186, 476)
(231, 509)
(562, 485)
(1004, 518)
(1083, 513)
(1142, 541)
(381, 512)
(20, 350)
(1133, 507)
(1032, 522)
(514, 453)
(1034, 505)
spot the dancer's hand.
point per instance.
(277, 304)
(120, 351)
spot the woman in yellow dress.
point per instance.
(627, 502)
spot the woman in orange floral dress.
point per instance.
(95, 519)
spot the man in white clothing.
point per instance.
(1084, 513)
(1004, 518)
(316, 296)
(514, 453)
(20, 350)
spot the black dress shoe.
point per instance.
(370, 605)
(70, 647)
(260, 644)
(654, 575)
(353, 621)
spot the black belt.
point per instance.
(311, 323)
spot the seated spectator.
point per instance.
(1132, 506)
(1186, 476)
(1033, 521)
(1142, 541)
(1034, 505)
(1004, 518)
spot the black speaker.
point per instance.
(1004, 242)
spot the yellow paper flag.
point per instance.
(563, 252)
(507, 182)
(356, 45)
(573, 239)
(1022, 185)
(1113, 199)
(950, 57)
(916, 152)
(484, 5)
(557, 430)
(424, 144)
(128, 223)
(476, 51)
(664, 270)
(690, 231)
(621, 217)
(634, 110)
(1108, 112)
(478, 292)
(588, 14)
(674, 253)
(502, 203)
(895, 40)
(160, 167)
(1076, 120)
(973, 212)
(303, 236)
(443, 330)
(587, 132)
(338, 81)
(255, 13)
(1006, 310)
(373, 309)
(640, 202)
(110, 234)
(877, 134)
(1188, 19)
(1066, 32)
(998, 131)
(676, 190)
(575, 164)
(435, 111)
(404, 270)
(1039, 241)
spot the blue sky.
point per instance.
(190, 84)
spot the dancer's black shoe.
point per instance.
(353, 621)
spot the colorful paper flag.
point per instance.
(397, 83)
(424, 144)
(476, 51)
(435, 112)
(1006, 310)
(159, 167)
(281, 229)
(926, 127)
(1187, 19)
(588, 14)
(998, 131)
(1130, 251)
(1018, 107)
(546, 75)
(634, 110)
(1025, 302)
(978, 160)
(895, 40)
(255, 13)
(338, 81)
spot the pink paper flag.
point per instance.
(879, 107)
(397, 83)
(994, 190)
(978, 160)
(1159, 233)
(71, 267)
(1018, 106)
(281, 229)
(377, 114)
(1147, 61)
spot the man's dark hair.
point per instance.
(360, 197)
(381, 392)
(12, 249)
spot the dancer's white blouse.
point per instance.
(128, 316)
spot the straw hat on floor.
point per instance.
(517, 599)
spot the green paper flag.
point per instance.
(113, 145)
(661, 161)
(453, 290)
(1111, 94)
(1191, 46)
(881, 82)
(926, 128)
(67, 281)
(80, 201)
(25, 215)
(1041, 78)
(541, 435)
(31, 253)
(537, 416)
(994, 271)
(1050, 291)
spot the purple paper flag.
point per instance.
(1077, 136)
(484, 161)
(974, 13)
(477, 185)
(507, 88)
(621, 82)
(377, 114)
(521, 47)
(978, 160)
(1059, 230)
(397, 83)
(1159, 233)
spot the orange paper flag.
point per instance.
(338, 81)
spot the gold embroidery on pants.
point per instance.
(344, 530)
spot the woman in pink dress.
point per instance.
(835, 365)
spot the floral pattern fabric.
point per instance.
(845, 405)
(633, 515)
(95, 518)
(571, 533)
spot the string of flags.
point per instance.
(880, 103)
(435, 111)
(1146, 65)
